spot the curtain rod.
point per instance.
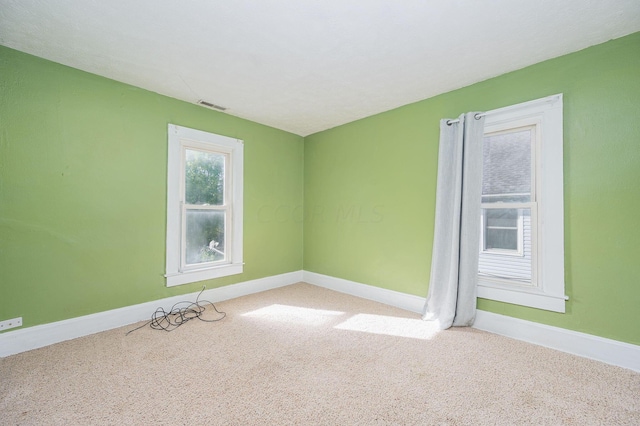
(546, 100)
(477, 116)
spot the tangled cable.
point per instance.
(169, 321)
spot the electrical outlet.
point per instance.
(5, 325)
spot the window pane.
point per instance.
(507, 245)
(501, 229)
(502, 218)
(204, 178)
(506, 166)
(204, 236)
(503, 239)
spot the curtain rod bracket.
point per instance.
(477, 116)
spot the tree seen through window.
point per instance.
(204, 190)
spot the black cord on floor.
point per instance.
(169, 321)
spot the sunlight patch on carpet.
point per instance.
(294, 314)
(391, 326)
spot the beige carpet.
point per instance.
(303, 355)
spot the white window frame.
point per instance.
(179, 139)
(547, 208)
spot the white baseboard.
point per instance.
(585, 345)
(13, 342)
(404, 301)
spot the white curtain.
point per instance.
(454, 264)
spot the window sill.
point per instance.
(531, 297)
(179, 278)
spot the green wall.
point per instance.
(83, 191)
(370, 188)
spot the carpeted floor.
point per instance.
(303, 355)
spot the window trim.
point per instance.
(180, 138)
(548, 294)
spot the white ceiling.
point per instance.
(308, 65)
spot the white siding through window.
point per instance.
(508, 265)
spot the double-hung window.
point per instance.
(204, 206)
(521, 256)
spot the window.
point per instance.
(204, 206)
(521, 256)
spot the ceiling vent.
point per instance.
(211, 105)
